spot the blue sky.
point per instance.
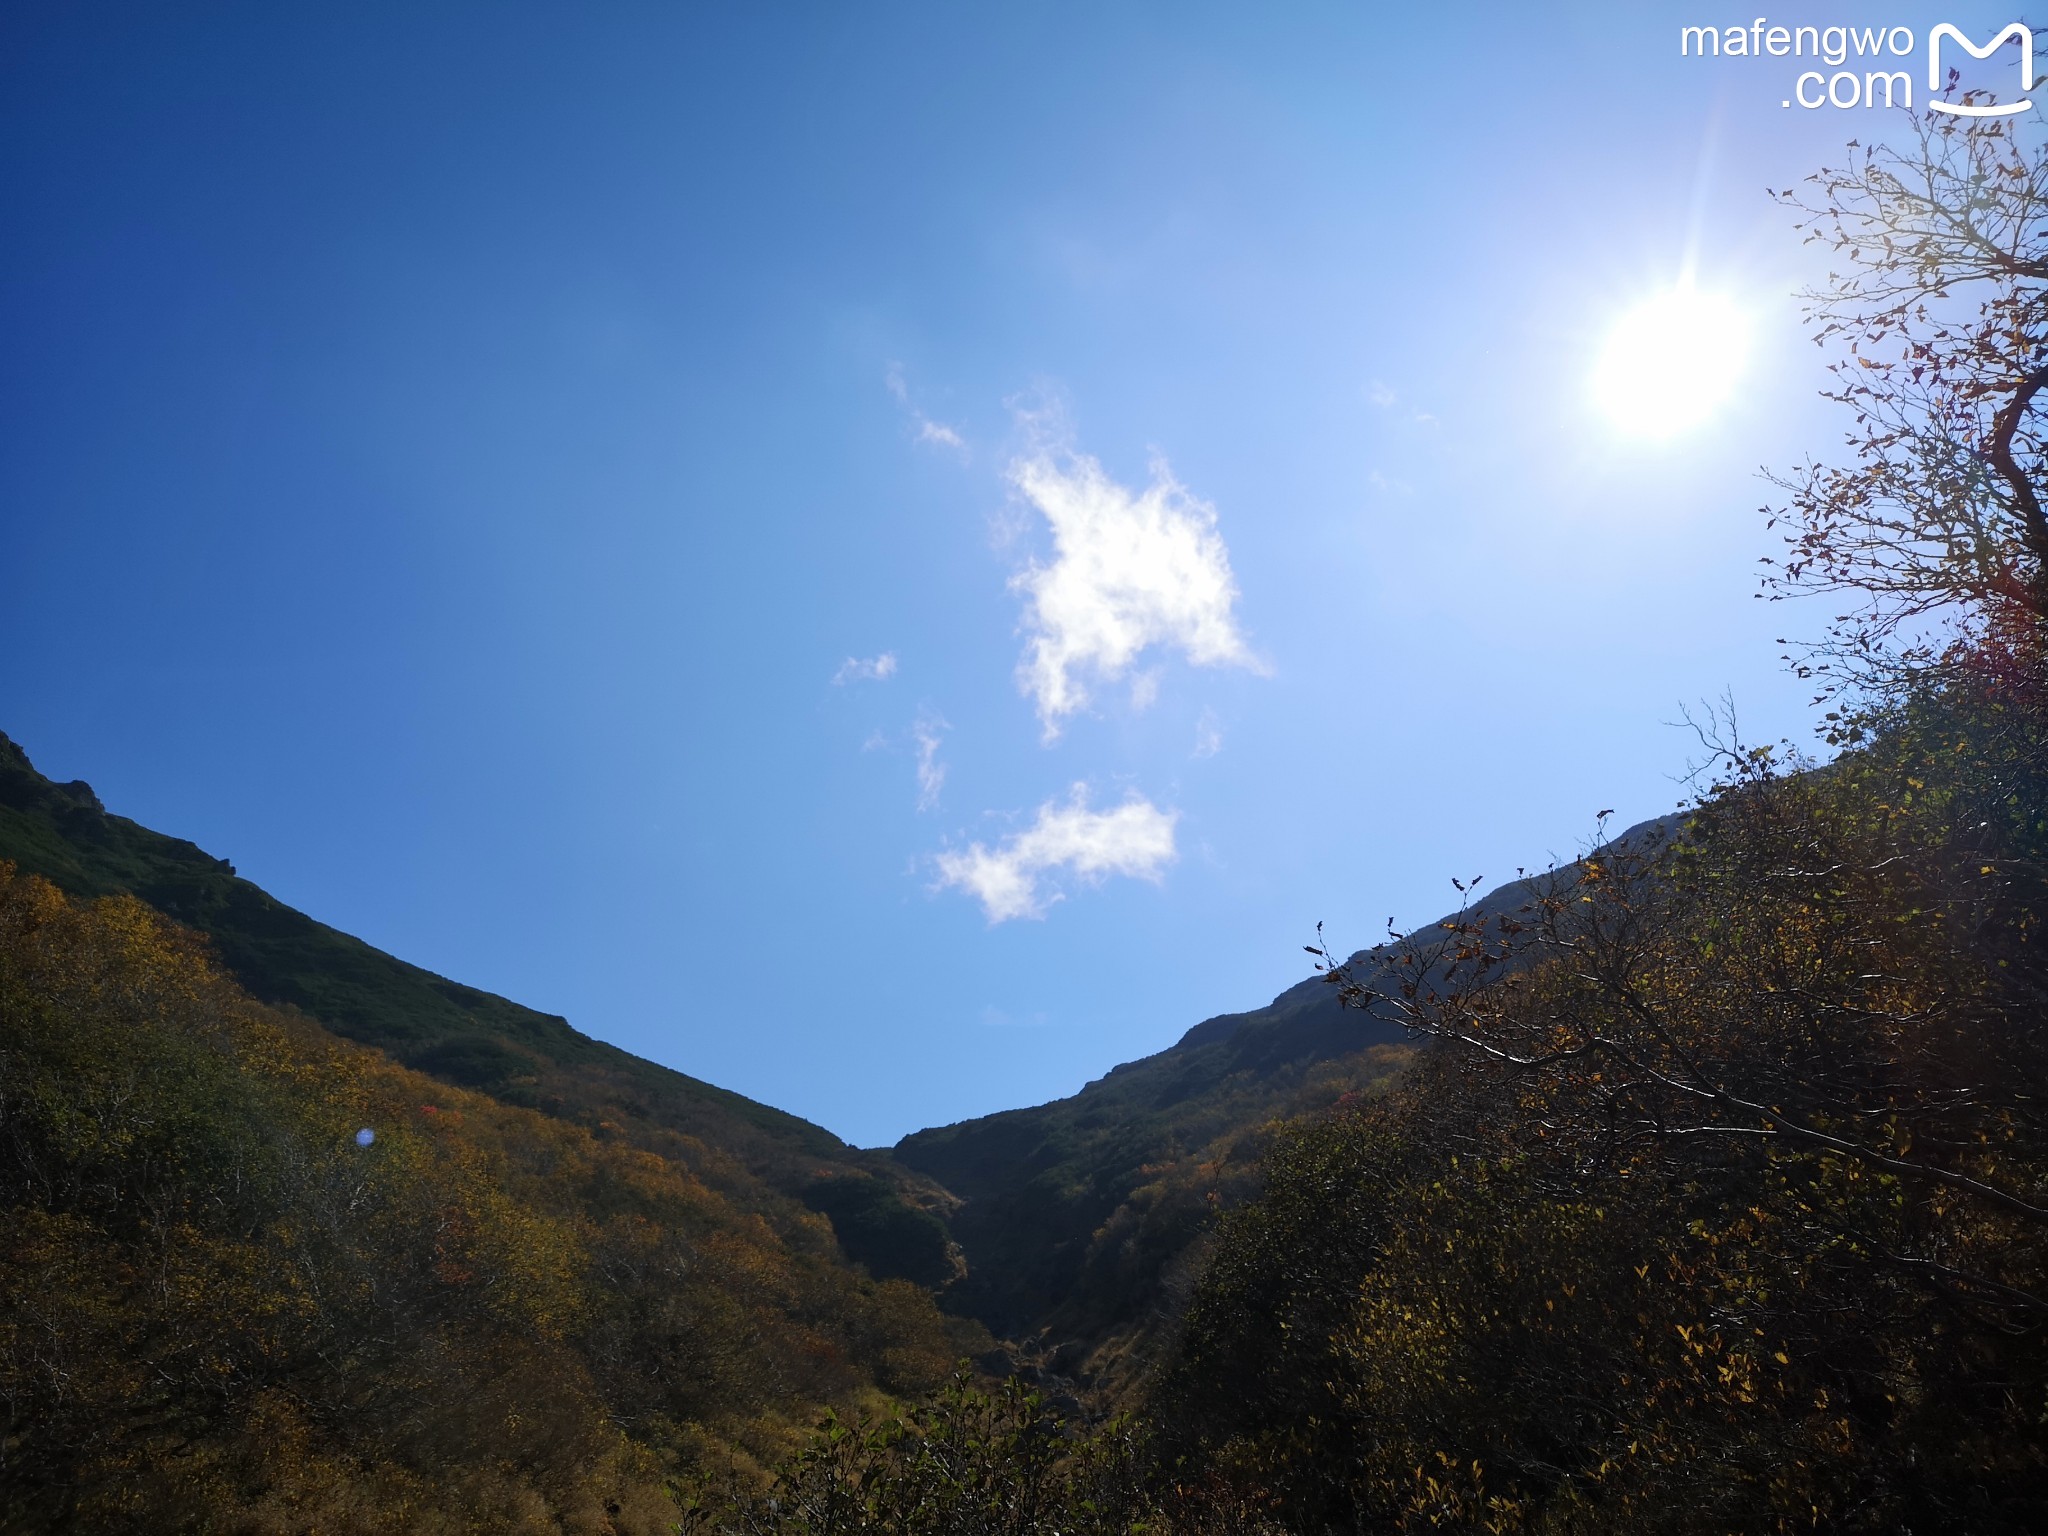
(467, 464)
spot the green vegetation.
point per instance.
(1083, 1220)
(877, 1229)
(964, 1463)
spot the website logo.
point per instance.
(1837, 47)
(2015, 31)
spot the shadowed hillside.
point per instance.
(1083, 1219)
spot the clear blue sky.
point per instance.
(452, 454)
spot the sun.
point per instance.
(1671, 362)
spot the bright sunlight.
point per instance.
(1671, 362)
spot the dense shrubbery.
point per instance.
(877, 1229)
(218, 1311)
(963, 1463)
(1727, 1210)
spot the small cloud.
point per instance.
(1015, 879)
(1388, 486)
(876, 669)
(928, 431)
(1129, 571)
(1144, 691)
(1208, 734)
(1385, 398)
(931, 773)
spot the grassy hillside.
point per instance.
(460, 1035)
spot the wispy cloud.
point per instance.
(1021, 876)
(1128, 571)
(928, 430)
(931, 773)
(1386, 397)
(875, 669)
(1208, 734)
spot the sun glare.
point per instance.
(1670, 362)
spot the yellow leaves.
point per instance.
(455, 1258)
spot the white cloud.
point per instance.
(1014, 879)
(1128, 572)
(1208, 734)
(928, 431)
(931, 773)
(1383, 395)
(876, 669)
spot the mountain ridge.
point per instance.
(1062, 1226)
(886, 1217)
(1080, 1217)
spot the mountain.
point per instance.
(256, 1277)
(886, 1218)
(1072, 1229)
(1084, 1220)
